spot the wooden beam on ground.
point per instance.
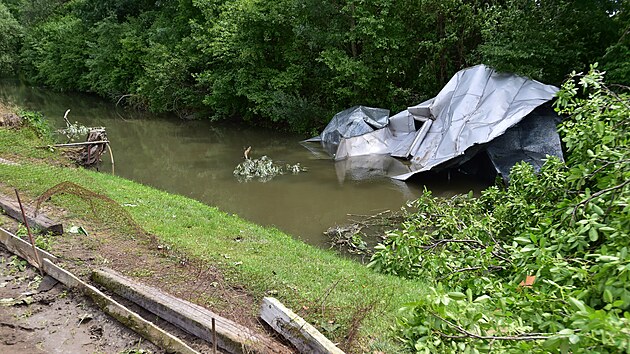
(23, 248)
(128, 318)
(132, 320)
(305, 337)
(40, 221)
(190, 317)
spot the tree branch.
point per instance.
(442, 241)
(608, 163)
(466, 334)
(461, 270)
(595, 195)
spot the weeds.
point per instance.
(37, 122)
(16, 265)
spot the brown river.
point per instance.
(196, 159)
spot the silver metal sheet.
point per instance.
(354, 121)
(476, 107)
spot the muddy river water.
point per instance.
(196, 159)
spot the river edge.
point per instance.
(209, 257)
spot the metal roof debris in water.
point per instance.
(478, 110)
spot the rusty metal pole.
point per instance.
(30, 235)
(214, 337)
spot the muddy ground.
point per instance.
(43, 316)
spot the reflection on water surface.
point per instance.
(196, 159)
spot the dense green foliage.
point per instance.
(293, 63)
(37, 123)
(10, 39)
(540, 266)
(547, 39)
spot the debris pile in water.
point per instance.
(10, 120)
(264, 169)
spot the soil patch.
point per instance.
(54, 319)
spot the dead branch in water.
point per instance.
(354, 237)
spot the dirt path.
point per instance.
(54, 319)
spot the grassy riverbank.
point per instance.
(332, 292)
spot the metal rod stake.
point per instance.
(30, 235)
(214, 337)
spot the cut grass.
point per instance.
(330, 291)
(24, 143)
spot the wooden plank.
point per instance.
(127, 317)
(190, 317)
(130, 319)
(305, 337)
(23, 248)
(40, 221)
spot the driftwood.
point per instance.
(40, 221)
(91, 154)
(190, 317)
(306, 338)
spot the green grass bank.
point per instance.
(330, 291)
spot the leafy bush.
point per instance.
(56, 51)
(37, 123)
(540, 266)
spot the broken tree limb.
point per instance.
(40, 221)
(65, 118)
(306, 338)
(127, 317)
(190, 317)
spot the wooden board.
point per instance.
(40, 221)
(190, 317)
(23, 248)
(306, 338)
(127, 317)
(130, 319)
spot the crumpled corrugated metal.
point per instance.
(477, 106)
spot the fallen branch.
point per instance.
(597, 194)
(123, 96)
(442, 241)
(467, 334)
(65, 118)
(461, 270)
(608, 163)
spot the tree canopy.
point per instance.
(294, 63)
